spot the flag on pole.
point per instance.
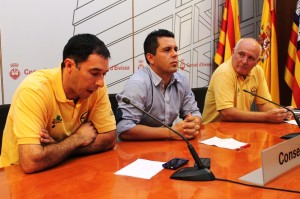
(268, 42)
(292, 67)
(229, 31)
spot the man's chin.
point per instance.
(243, 72)
(87, 95)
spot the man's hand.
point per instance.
(87, 133)
(289, 115)
(45, 138)
(35, 157)
(188, 127)
(277, 115)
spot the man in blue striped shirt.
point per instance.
(160, 90)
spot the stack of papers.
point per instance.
(228, 143)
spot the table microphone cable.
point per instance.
(257, 186)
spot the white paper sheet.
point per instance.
(292, 122)
(228, 143)
(141, 169)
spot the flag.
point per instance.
(292, 67)
(268, 42)
(229, 32)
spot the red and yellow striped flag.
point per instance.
(268, 42)
(292, 68)
(229, 32)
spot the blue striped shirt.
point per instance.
(146, 90)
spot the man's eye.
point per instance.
(251, 58)
(95, 74)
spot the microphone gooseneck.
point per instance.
(127, 101)
(294, 115)
(199, 173)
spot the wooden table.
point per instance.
(93, 176)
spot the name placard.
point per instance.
(276, 160)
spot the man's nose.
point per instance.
(100, 83)
(245, 59)
(174, 53)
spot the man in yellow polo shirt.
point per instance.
(225, 99)
(56, 113)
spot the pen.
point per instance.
(242, 147)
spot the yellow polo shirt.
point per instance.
(40, 102)
(226, 91)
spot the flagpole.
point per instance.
(214, 28)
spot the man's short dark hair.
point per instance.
(151, 43)
(81, 46)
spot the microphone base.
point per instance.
(193, 174)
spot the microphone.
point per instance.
(294, 115)
(199, 173)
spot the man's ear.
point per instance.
(69, 62)
(150, 58)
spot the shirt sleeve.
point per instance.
(189, 104)
(30, 111)
(103, 117)
(224, 89)
(127, 115)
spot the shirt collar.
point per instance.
(58, 87)
(157, 79)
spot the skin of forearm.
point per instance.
(38, 157)
(142, 132)
(103, 142)
(265, 107)
(238, 115)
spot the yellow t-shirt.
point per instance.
(226, 91)
(40, 102)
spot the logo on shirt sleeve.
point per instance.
(83, 117)
(253, 89)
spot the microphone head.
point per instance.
(123, 98)
(249, 92)
(126, 100)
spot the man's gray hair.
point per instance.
(254, 41)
